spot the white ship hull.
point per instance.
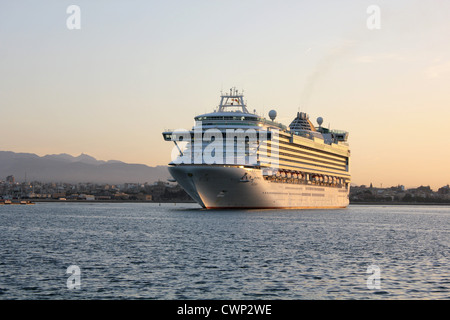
(215, 187)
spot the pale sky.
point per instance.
(136, 68)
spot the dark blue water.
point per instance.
(147, 251)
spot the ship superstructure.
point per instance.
(233, 158)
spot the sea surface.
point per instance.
(180, 251)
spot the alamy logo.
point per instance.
(374, 280)
(374, 20)
(74, 280)
(230, 146)
(73, 22)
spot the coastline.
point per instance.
(393, 203)
(398, 203)
(100, 201)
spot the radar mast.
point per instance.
(234, 99)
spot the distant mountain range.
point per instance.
(83, 168)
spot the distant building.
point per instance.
(86, 197)
(121, 196)
(10, 179)
(444, 190)
(144, 197)
(424, 189)
(102, 197)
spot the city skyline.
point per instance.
(23, 178)
(134, 69)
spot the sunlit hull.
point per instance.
(216, 187)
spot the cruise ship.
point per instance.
(234, 158)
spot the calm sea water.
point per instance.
(167, 251)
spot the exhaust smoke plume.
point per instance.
(322, 68)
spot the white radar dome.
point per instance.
(320, 121)
(272, 114)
